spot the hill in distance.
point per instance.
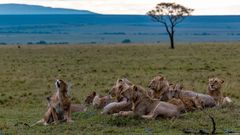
(23, 9)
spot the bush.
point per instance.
(42, 42)
(126, 41)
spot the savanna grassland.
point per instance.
(27, 77)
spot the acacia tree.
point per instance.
(169, 14)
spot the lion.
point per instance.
(53, 114)
(204, 100)
(90, 97)
(147, 107)
(98, 101)
(59, 105)
(187, 103)
(159, 85)
(122, 104)
(214, 90)
(165, 91)
(115, 90)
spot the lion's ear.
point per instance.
(221, 81)
(120, 80)
(161, 78)
(94, 93)
(135, 88)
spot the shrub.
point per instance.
(126, 41)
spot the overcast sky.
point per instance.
(202, 7)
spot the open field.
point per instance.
(109, 29)
(27, 77)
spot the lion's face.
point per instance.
(120, 85)
(133, 93)
(158, 83)
(174, 91)
(61, 86)
(215, 84)
(89, 98)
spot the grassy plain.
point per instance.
(27, 76)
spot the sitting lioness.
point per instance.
(214, 90)
(59, 105)
(121, 104)
(147, 107)
(159, 87)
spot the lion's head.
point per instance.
(61, 86)
(134, 93)
(215, 84)
(158, 83)
(120, 85)
(174, 91)
(90, 97)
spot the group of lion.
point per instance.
(160, 99)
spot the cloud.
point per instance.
(137, 6)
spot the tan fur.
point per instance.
(214, 90)
(146, 107)
(121, 104)
(116, 107)
(120, 85)
(78, 108)
(160, 86)
(205, 100)
(101, 101)
(179, 103)
(98, 101)
(59, 105)
(189, 103)
(62, 97)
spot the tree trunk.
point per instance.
(171, 41)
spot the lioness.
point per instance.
(63, 98)
(189, 103)
(147, 107)
(214, 90)
(159, 86)
(206, 100)
(121, 104)
(167, 91)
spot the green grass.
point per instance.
(27, 76)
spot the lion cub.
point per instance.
(214, 90)
(98, 101)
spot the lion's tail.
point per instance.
(38, 122)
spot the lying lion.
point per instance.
(165, 91)
(98, 101)
(147, 107)
(122, 104)
(214, 90)
(187, 103)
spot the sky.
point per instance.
(202, 7)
